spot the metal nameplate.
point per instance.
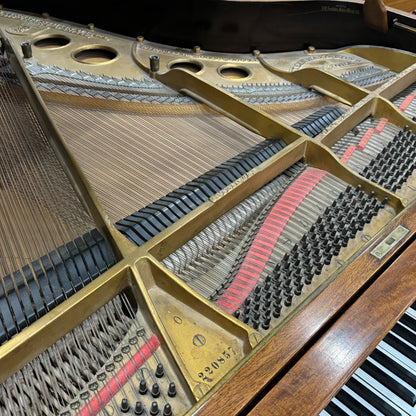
(389, 242)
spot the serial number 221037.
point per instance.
(209, 370)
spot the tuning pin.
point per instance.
(172, 390)
(154, 409)
(125, 406)
(167, 410)
(155, 390)
(160, 371)
(138, 409)
(143, 387)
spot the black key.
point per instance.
(394, 367)
(353, 404)
(408, 321)
(334, 410)
(404, 333)
(389, 382)
(372, 398)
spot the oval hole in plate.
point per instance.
(234, 72)
(192, 66)
(52, 42)
(95, 55)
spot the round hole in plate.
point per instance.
(95, 55)
(234, 72)
(52, 42)
(192, 66)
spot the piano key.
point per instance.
(396, 355)
(371, 397)
(353, 401)
(333, 410)
(383, 392)
(408, 321)
(394, 366)
(400, 346)
(404, 333)
(388, 381)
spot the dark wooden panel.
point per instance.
(325, 368)
(281, 352)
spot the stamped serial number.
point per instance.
(209, 370)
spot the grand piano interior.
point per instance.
(207, 208)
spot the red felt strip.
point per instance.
(348, 153)
(381, 125)
(406, 102)
(98, 402)
(365, 139)
(270, 230)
